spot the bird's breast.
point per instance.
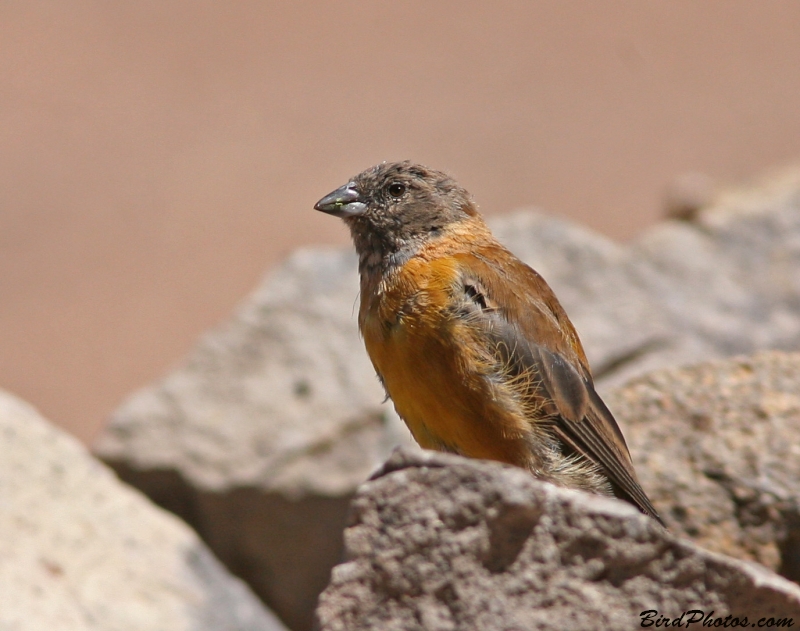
(432, 365)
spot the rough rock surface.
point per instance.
(438, 542)
(716, 447)
(259, 440)
(726, 283)
(80, 551)
(275, 417)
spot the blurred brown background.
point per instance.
(157, 157)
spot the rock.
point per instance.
(81, 551)
(687, 194)
(259, 439)
(267, 399)
(727, 283)
(438, 542)
(716, 449)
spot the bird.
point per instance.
(470, 343)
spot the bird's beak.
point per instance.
(345, 201)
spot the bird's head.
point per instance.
(395, 207)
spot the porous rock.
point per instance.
(438, 542)
(80, 551)
(260, 438)
(716, 448)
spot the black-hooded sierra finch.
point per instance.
(470, 343)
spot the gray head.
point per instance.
(394, 207)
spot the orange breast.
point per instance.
(434, 367)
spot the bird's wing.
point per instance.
(531, 333)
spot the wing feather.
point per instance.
(533, 337)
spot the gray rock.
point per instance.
(726, 283)
(276, 416)
(687, 194)
(280, 397)
(260, 439)
(81, 551)
(716, 449)
(438, 542)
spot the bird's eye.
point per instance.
(396, 190)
